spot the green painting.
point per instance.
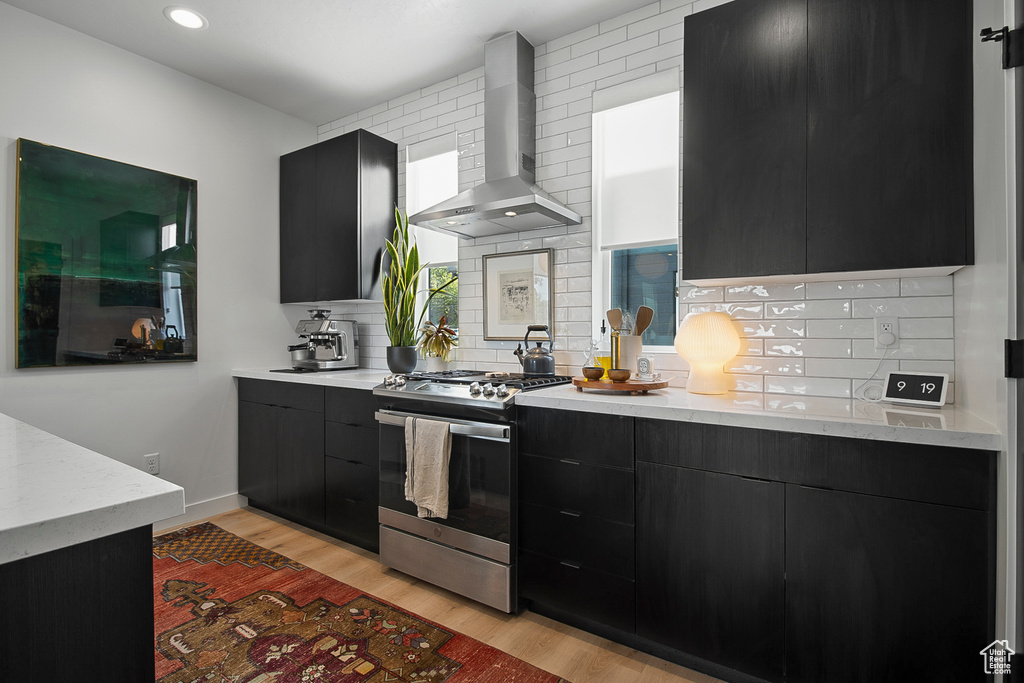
(106, 261)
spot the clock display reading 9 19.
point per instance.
(916, 388)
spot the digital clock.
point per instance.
(916, 388)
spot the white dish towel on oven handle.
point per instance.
(428, 450)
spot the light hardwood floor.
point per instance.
(575, 655)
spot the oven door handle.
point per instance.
(474, 430)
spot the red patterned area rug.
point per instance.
(230, 611)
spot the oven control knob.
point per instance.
(400, 381)
(389, 381)
(488, 389)
(502, 390)
(474, 388)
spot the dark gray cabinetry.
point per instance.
(744, 139)
(281, 448)
(309, 454)
(351, 467)
(576, 516)
(337, 208)
(711, 566)
(809, 558)
(821, 136)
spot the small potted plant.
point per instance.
(436, 343)
(400, 281)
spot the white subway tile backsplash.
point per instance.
(692, 294)
(749, 365)
(945, 367)
(771, 330)
(809, 348)
(926, 328)
(612, 36)
(597, 72)
(764, 292)
(905, 307)
(827, 308)
(629, 47)
(852, 368)
(911, 349)
(840, 328)
(630, 17)
(808, 386)
(926, 286)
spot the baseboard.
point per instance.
(202, 510)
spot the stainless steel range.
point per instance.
(472, 551)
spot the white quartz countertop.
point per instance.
(948, 426)
(54, 493)
(356, 378)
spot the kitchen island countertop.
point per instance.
(54, 493)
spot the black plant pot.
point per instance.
(401, 358)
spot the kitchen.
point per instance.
(188, 413)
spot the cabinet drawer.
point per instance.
(351, 502)
(603, 492)
(583, 592)
(930, 474)
(586, 437)
(355, 444)
(758, 453)
(581, 540)
(351, 406)
(285, 394)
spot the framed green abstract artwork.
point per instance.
(106, 261)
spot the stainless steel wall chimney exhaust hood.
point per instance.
(509, 199)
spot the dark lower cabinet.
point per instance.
(886, 590)
(711, 566)
(309, 453)
(352, 467)
(576, 516)
(281, 449)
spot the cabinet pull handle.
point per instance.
(570, 462)
(570, 513)
(354, 462)
(570, 565)
(352, 500)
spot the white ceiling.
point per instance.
(320, 60)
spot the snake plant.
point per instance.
(400, 284)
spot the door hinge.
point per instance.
(1013, 54)
(1014, 358)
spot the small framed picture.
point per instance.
(517, 293)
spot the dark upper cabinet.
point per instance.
(338, 201)
(826, 136)
(889, 161)
(744, 139)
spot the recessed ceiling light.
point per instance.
(186, 17)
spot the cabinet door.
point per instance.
(889, 165)
(710, 566)
(337, 219)
(744, 140)
(298, 225)
(870, 579)
(300, 464)
(257, 452)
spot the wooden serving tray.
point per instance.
(633, 386)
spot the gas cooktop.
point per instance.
(468, 387)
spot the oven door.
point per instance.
(481, 486)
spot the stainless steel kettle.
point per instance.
(537, 361)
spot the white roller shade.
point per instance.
(431, 176)
(636, 163)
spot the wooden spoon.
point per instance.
(644, 316)
(614, 316)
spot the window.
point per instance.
(636, 201)
(432, 175)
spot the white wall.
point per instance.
(63, 88)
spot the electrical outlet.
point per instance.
(884, 327)
(152, 462)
